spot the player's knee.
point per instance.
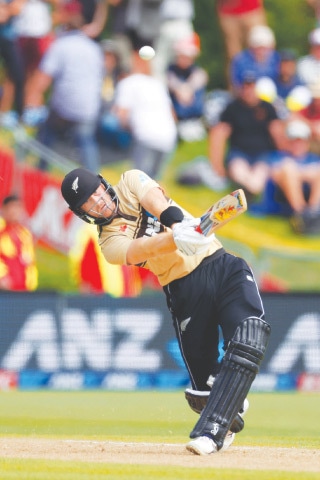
(249, 343)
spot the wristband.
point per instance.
(171, 215)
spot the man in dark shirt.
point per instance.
(251, 129)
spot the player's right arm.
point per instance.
(182, 233)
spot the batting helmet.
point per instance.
(77, 187)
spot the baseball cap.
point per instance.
(78, 185)
(266, 89)
(298, 129)
(247, 76)
(261, 36)
(287, 55)
(189, 46)
(314, 37)
(298, 98)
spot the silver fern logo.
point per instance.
(75, 185)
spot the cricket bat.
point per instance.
(221, 212)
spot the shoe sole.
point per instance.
(195, 450)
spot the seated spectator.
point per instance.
(143, 105)
(296, 172)
(308, 66)
(18, 269)
(311, 115)
(176, 22)
(260, 57)
(287, 78)
(73, 67)
(187, 84)
(252, 130)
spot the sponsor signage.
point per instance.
(73, 342)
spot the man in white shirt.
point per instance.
(308, 67)
(143, 105)
(74, 66)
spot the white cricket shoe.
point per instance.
(202, 446)
(227, 441)
(231, 436)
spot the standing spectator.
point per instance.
(236, 18)
(142, 22)
(117, 25)
(296, 172)
(18, 269)
(308, 66)
(133, 24)
(35, 34)
(176, 22)
(95, 17)
(94, 13)
(143, 105)
(260, 57)
(187, 84)
(73, 65)
(252, 129)
(12, 98)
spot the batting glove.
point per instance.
(188, 240)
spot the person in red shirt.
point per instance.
(236, 18)
(18, 269)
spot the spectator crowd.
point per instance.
(95, 98)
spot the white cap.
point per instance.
(314, 37)
(298, 129)
(261, 36)
(266, 89)
(189, 46)
(299, 98)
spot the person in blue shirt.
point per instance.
(287, 78)
(260, 57)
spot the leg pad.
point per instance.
(239, 368)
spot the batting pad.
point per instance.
(230, 388)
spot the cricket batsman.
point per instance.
(205, 287)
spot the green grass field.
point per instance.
(288, 420)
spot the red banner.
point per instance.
(48, 215)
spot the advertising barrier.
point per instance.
(59, 341)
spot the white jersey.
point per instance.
(34, 19)
(150, 111)
(308, 70)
